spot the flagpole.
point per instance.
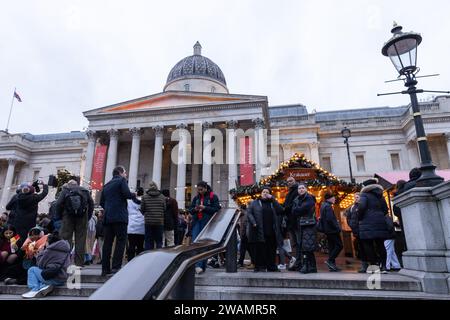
(10, 111)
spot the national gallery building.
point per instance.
(147, 133)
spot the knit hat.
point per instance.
(152, 186)
(370, 181)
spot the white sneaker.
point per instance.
(45, 290)
(292, 262)
(198, 270)
(281, 267)
(30, 295)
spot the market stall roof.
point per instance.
(389, 179)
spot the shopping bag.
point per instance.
(287, 245)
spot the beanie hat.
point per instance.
(370, 181)
(152, 186)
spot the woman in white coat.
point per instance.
(136, 227)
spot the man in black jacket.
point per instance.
(295, 263)
(72, 223)
(332, 229)
(114, 201)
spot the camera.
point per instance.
(36, 186)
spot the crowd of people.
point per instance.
(36, 249)
(267, 228)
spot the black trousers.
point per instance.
(135, 245)
(265, 253)
(362, 252)
(244, 247)
(335, 246)
(375, 251)
(119, 232)
(179, 236)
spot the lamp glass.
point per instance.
(403, 54)
(346, 133)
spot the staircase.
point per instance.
(215, 284)
(91, 280)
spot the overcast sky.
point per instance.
(66, 57)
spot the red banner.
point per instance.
(98, 167)
(245, 164)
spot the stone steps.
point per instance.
(266, 293)
(216, 284)
(91, 280)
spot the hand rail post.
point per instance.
(185, 289)
(231, 254)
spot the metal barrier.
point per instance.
(168, 273)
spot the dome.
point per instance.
(196, 67)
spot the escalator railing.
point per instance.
(168, 273)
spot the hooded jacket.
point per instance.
(153, 207)
(372, 209)
(26, 211)
(60, 209)
(56, 255)
(136, 222)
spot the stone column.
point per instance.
(231, 159)
(111, 161)
(134, 158)
(447, 136)
(181, 172)
(157, 156)
(92, 140)
(413, 155)
(8, 182)
(314, 150)
(207, 153)
(259, 144)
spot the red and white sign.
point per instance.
(245, 164)
(98, 168)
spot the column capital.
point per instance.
(159, 131)
(314, 144)
(232, 124)
(12, 161)
(91, 135)
(136, 132)
(206, 125)
(113, 133)
(182, 126)
(447, 135)
(259, 123)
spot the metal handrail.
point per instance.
(187, 263)
(155, 274)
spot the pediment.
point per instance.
(174, 99)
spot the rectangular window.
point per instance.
(360, 165)
(35, 175)
(326, 163)
(395, 160)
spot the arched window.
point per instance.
(186, 87)
(213, 89)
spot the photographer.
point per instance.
(27, 206)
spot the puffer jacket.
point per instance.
(56, 255)
(372, 209)
(136, 221)
(352, 219)
(330, 223)
(255, 217)
(153, 207)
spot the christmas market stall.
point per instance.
(318, 181)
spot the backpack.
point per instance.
(75, 204)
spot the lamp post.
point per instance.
(346, 133)
(402, 50)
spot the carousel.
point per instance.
(318, 181)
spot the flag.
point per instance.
(16, 95)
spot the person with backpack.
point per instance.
(75, 206)
(204, 205)
(304, 211)
(332, 230)
(170, 218)
(153, 207)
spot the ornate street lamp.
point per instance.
(346, 133)
(402, 50)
